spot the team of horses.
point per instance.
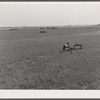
(72, 48)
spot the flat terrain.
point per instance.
(33, 60)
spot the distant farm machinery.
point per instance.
(72, 48)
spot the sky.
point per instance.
(49, 13)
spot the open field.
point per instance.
(33, 60)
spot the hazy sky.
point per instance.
(48, 13)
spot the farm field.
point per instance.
(33, 60)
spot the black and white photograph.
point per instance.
(50, 45)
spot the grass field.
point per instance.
(33, 60)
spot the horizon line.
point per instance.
(51, 25)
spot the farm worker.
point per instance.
(71, 50)
(68, 44)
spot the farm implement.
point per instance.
(72, 48)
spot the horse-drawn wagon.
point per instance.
(72, 48)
